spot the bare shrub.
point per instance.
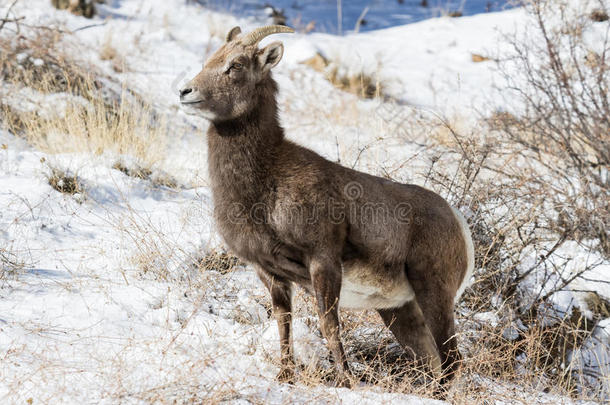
(560, 70)
(533, 182)
(513, 328)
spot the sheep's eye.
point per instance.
(237, 66)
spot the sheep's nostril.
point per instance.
(184, 92)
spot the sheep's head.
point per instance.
(226, 86)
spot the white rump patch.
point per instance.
(467, 281)
(356, 294)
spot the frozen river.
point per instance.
(377, 13)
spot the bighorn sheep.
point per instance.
(351, 239)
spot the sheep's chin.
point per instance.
(201, 112)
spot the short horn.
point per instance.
(258, 34)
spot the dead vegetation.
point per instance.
(477, 58)
(79, 108)
(599, 15)
(85, 8)
(156, 177)
(535, 185)
(565, 126)
(65, 182)
(10, 263)
(34, 60)
(361, 84)
(523, 267)
(220, 261)
(109, 52)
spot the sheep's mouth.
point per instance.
(192, 102)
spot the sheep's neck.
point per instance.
(241, 151)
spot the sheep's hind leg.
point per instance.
(408, 325)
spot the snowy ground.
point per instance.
(109, 307)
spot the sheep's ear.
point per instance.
(235, 31)
(270, 56)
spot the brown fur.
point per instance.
(293, 215)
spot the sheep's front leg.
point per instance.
(326, 280)
(281, 301)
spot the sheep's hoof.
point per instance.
(286, 375)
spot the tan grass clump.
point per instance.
(220, 261)
(94, 118)
(109, 52)
(65, 182)
(36, 61)
(361, 84)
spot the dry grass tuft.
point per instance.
(599, 15)
(108, 52)
(93, 117)
(137, 172)
(15, 120)
(35, 61)
(361, 84)
(95, 126)
(10, 263)
(64, 182)
(476, 58)
(599, 306)
(85, 8)
(157, 178)
(220, 261)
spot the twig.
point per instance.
(339, 17)
(42, 27)
(8, 12)
(542, 259)
(10, 20)
(90, 26)
(360, 20)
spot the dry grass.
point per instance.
(94, 119)
(97, 126)
(599, 15)
(157, 177)
(85, 8)
(10, 263)
(220, 261)
(513, 216)
(361, 84)
(109, 52)
(36, 61)
(65, 182)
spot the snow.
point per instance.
(108, 305)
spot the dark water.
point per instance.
(380, 13)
